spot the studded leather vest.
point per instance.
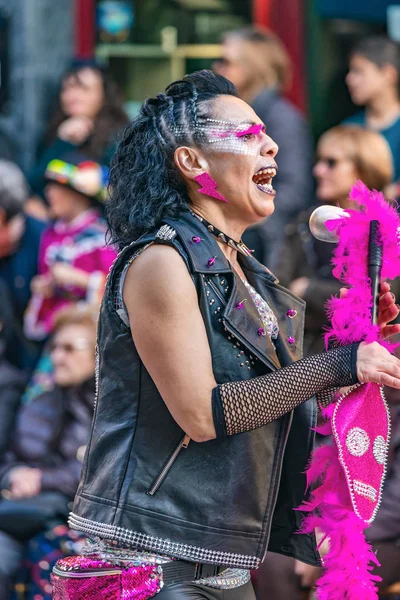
(144, 483)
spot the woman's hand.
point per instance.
(75, 130)
(42, 285)
(25, 482)
(388, 310)
(376, 364)
(65, 275)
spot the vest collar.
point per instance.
(205, 255)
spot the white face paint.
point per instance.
(230, 136)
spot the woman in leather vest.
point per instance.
(201, 431)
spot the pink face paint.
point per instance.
(253, 129)
(208, 186)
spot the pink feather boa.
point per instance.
(350, 560)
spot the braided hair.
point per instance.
(145, 184)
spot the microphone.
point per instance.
(374, 266)
(320, 216)
(325, 213)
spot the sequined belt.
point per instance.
(77, 577)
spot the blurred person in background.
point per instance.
(89, 115)
(256, 61)
(19, 251)
(344, 154)
(12, 380)
(40, 471)
(19, 236)
(374, 83)
(73, 259)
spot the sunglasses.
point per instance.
(69, 347)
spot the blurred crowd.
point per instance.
(54, 259)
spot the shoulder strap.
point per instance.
(163, 235)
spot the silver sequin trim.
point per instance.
(164, 546)
(357, 441)
(380, 449)
(227, 580)
(364, 489)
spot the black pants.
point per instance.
(192, 591)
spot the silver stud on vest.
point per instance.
(166, 233)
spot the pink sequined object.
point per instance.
(83, 577)
(361, 427)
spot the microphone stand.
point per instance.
(374, 267)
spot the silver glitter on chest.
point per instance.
(266, 313)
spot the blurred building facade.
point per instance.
(161, 41)
(39, 45)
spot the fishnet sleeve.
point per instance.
(325, 397)
(245, 405)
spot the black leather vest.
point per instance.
(223, 501)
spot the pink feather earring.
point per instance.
(208, 186)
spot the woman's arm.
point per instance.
(171, 338)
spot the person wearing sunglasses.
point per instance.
(40, 471)
(344, 154)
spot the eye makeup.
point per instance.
(228, 136)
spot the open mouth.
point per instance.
(263, 179)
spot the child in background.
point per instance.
(73, 258)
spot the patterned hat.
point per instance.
(81, 174)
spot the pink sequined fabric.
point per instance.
(86, 578)
(361, 427)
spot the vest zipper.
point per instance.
(216, 291)
(183, 444)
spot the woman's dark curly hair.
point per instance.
(111, 118)
(145, 185)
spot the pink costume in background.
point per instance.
(349, 474)
(80, 244)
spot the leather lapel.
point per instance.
(246, 322)
(288, 309)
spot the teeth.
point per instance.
(262, 174)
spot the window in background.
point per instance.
(149, 43)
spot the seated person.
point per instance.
(40, 472)
(73, 258)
